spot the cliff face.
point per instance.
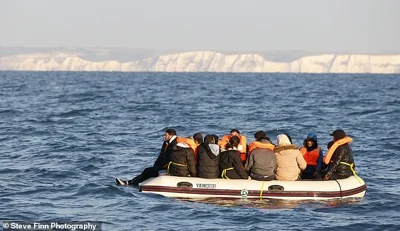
(205, 61)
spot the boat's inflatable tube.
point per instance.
(193, 187)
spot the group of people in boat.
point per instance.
(232, 158)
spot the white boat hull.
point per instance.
(199, 188)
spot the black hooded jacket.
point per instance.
(229, 159)
(208, 159)
(165, 155)
(183, 162)
(342, 154)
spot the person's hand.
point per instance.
(326, 177)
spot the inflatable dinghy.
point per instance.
(199, 188)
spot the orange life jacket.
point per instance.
(335, 145)
(312, 156)
(242, 147)
(190, 142)
(257, 144)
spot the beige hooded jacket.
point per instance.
(289, 159)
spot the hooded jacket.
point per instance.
(261, 161)
(289, 159)
(231, 159)
(208, 159)
(312, 136)
(183, 162)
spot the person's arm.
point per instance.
(301, 162)
(332, 167)
(249, 163)
(319, 161)
(238, 166)
(191, 163)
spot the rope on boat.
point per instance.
(223, 174)
(177, 164)
(262, 188)
(352, 169)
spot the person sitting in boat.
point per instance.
(242, 147)
(208, 158)
(198, 139)
(289, 160)
(161, 163)
(313, 155)
(230, 164)
(339, 158)
(261, 162)
(183, 162)
(193, 142)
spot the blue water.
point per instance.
(64, 136)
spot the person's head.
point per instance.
(235, 132)
(233, 142)
(216, 138)
(169, 133)
(261, 135)
(311, 141)
(289, 137)
(198, 138)
(338, 134)
(283, 140)
(210, 139)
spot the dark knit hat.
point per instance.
(338, 134)
(198, 137)
(261, 135)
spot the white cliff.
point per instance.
(205, 61)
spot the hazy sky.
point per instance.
(223, 25)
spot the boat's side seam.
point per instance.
(252, 193)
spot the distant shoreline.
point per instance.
(120, 60)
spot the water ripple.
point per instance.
(66, 135)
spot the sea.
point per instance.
(65, 136)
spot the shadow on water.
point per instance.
(277, 204)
